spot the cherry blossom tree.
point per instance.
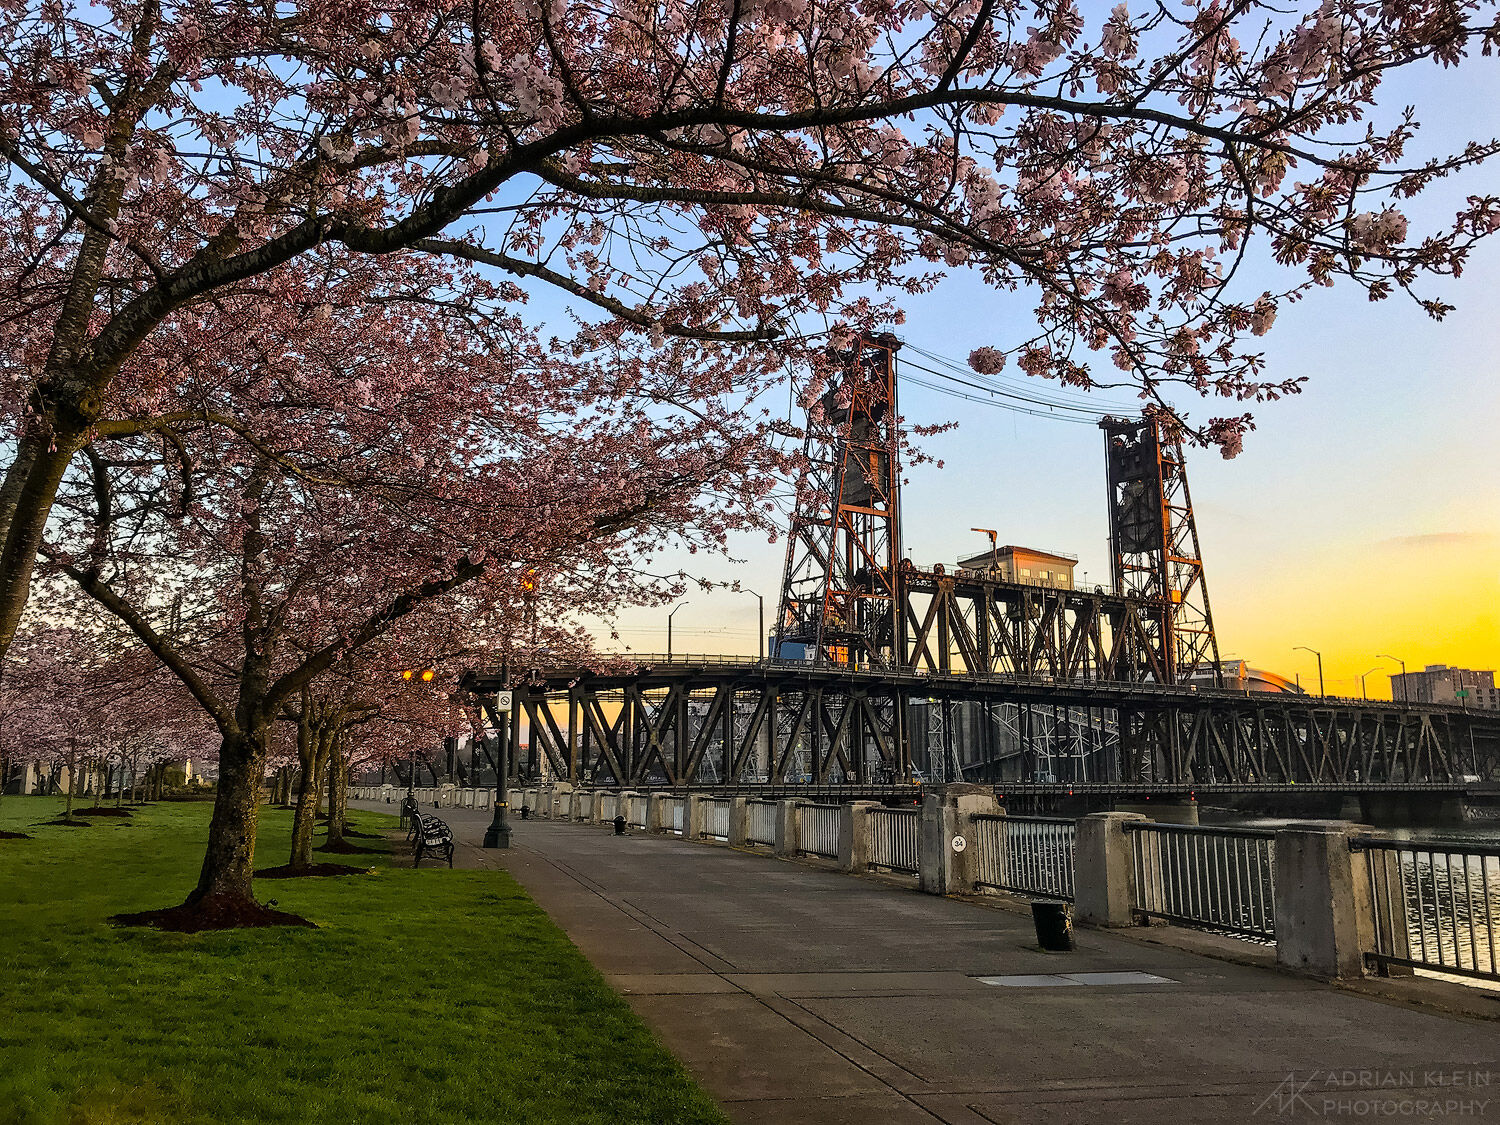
(389, 460)
(704, 170)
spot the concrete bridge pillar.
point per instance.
(1104, 870)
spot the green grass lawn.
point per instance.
(423, 996)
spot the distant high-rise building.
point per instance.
(1442, 683)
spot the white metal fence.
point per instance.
(1221, 878)
(820, 830)
(893, 839)
(636, 816)
(1028, 854)
(674, 813)
(761, 828)
(716, 818)
(1435, 903)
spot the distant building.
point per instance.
(1025, 565)
(1441, 683)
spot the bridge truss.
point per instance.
(698, 722)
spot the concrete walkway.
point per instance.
(801, 995)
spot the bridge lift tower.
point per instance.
(1154, 546)
(840, 599)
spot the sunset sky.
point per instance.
(1362, 518)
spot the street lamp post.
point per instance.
(1364, 693)
(1398, 660)
(669, 628)
(497, 835)
(1319, 655)
(761, 631)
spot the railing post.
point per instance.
(739, 822)
(788, 827)
(694, 816)
(655, 806)
(945, 819)
(575, 806)
(1323, 917)
(1104, 870)
(856, 835)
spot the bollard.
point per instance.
(619, 826)
(1054, 924)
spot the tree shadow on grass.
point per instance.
(343, 847)
(212, 912)
(310, 870)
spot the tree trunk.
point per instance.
(338, 789)
(72, 780)
(26, 497)
(229, 861)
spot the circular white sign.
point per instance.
(959, 843)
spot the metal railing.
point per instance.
(820, 830)
(893, 839)
(716, 818)
(674, 814)
(1219, 878)
(609, 807)
(1436, 904)
(586, 806)
(1027, 854)
(761, 822)
(635, 815)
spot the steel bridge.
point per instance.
(698, 721)
(982, 672)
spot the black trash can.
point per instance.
(1054, 924)
(619, 826)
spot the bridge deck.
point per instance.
(797, 994)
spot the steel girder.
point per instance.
(965, 623)
(713, 724)
(728, 731)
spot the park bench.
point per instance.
(431, 834)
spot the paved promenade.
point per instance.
(801, 995)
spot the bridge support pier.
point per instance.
(1164, 811)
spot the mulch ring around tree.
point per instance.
(101, 811)
(287, 871)
(217, 912)
(14, 836)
